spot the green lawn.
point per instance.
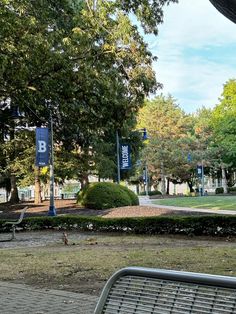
(213, 202)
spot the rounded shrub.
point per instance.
(219, 190)
(132, 195)
(81, 193)
(104, 195)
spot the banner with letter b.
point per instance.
(42, 147)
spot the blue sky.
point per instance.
(196, 50)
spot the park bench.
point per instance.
(145, 290)
(14, 223)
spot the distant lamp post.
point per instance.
(200, 174)
(145, 174)
(145, 136)
(118, 156)
(52, 209)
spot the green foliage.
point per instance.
(149, 13)
(231, 189)
(150, 193)
(103, 195)
(91, 65)
(224, 123)
(82, 193)
(218, 225)
(132, 195)
(166, 150)
(219, 190)
(156, 192)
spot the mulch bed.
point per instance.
(70, 207)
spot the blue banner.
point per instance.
(125, 157)
(42, 147)
(199, 171)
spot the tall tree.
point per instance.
(167, 125)
(224, 127)
(83, 61)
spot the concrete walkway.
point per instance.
(146, 201)
(23, 299)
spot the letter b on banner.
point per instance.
(42, 148)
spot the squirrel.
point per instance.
(65, 238)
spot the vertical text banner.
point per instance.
(125, 157)
(42, 147)
(199, 171)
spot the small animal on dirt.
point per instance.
(65, 238)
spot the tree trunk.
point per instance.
(190, 185)
(224, 181)
(14, 198)
(37, 187)
(168, 186)
(84, 181)
(163, 179)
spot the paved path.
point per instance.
(23, 299)
(146, 201)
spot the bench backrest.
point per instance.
(145, 290)
(17, 222)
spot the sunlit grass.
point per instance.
(212, 202)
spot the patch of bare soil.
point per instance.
(70, 207)
(143, 211)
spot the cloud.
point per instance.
(196, 53)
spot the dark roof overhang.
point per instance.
(226, 7)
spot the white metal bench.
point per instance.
(145, 290)
(14, 224)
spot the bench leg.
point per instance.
(13, 232)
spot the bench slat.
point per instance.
(130, 293)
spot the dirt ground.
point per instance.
(70, 207)
(41, 259)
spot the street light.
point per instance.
(145, 137)
(118, 156)
(52, 209)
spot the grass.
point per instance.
(212, 202)
(87, 264)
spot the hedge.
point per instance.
(219, 190)
(214, 225)
(231, 189)
(150, 193)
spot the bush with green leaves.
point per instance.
(104, 195)
(132, 195)
(213, 225)
(219, 190)
(231, 189)
(150, 193)
(156, 192)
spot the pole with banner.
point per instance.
(200, 174)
